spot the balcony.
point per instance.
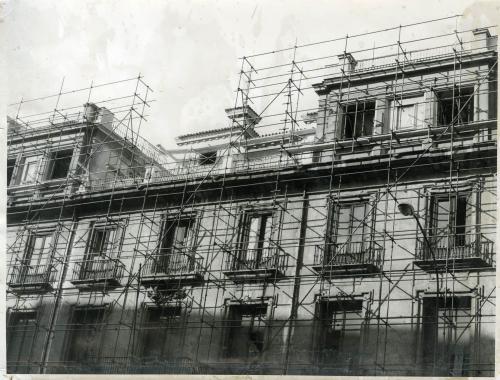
(97, 273)
(255, 266)
(173, 269)
(445, 257)
(348, 259)
(31, 278)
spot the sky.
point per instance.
(187, 51)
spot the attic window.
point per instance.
(357, 119)
(59, 164)
(456, 106)
(10, 169)
(208, 158)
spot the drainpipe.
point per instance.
(296, 285)
(55, 309)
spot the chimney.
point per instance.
(482, 40)
(90, 112)
(244, 118)
(347, 62)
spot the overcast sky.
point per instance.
(187, 50)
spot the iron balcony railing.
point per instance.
(98, 269)
(175, 261)
(254, 259)
(445, 248)
(350, 253)
(25, 274)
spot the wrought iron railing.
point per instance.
(98, 269)
(348, 253)
(253, 259)
(173, 262)
(25, 274)
(446, 247)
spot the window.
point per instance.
(350, 235)
(339, 326)
(446, 334)
(408, 113)
(456, 107)
(28, 170)
(255, 239)
(86, 332)
(175, 250)
(357, 119)
(21, 330)
(208, 158)
(162, 333)
(245, 338)
(10, 170)
(102, 247)
(448, 221)
(59, 164)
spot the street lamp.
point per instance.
(407, 209)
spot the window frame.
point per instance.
(471, 326)
(188, 248)
(445, 94)
(344, 118)
(264, 245)
(181, 322)
(226, 352)
(318, 326)
(36, 160)
(100, 326)
(331, 235)
(418, 103)
(11, 334)
(208, 158)
(53, 156)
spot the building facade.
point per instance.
(361, 244)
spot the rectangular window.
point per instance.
(255, 239)
(357, 119)
(85, 335)
(35, 266)
(162, 333)
(28, 170)
(208, 158)
(103, 241)
(350, 236)
(407, 113)
(339, 333)
(59, 164)
(21, 331)
(10, 170)
(446, 334)
(456, 107)
(245, 338)
(176, 254)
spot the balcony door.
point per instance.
(102, 247)
(255, 246)
(350, 237)
(447, 327)
(176, 254)
(450, 223)
(37, 258)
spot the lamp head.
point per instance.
(406, 209)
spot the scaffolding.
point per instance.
(346, 228)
